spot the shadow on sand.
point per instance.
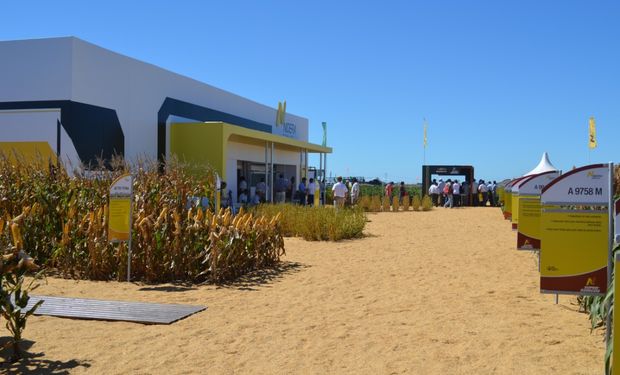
(168, 288)
(264, 276)
(34, 363)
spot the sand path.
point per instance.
(442, 292)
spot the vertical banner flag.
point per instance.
(592, 134)
(528, 232)
(425, 133)
(324, 144)
(119, 212)
(575, 233)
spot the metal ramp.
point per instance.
(137, 312)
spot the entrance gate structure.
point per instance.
(447, 170)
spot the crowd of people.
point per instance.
(342, 190)
(452, 193)
(286, 190)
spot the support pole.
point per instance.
(325, 168)
(320, 176)
(130, 232)
(610, 243)
(266, 170)
(306, 161)
(271, 179)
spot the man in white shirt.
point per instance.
(482, 189)
(433, 191)
(311, 191)
(340, 193)
(456, 193)
(491, 187)
(355, 191)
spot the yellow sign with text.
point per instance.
(528, 237)
(573, 258)
(508, 204)
(515, 210)
(118, 222)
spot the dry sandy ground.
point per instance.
(443, 292)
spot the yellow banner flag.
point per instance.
(592, 138)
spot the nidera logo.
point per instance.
(591, 281)
(594, 176)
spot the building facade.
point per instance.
(80, 102)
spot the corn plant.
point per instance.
(15, 265)
(406, 203)
(427, 203)
(416, 203)
(385, 204)
(395, 203)
(316, 223)
(375, 203)
(65, 224)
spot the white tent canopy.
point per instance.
(542, 167)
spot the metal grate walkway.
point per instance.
(138, 312)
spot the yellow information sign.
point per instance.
(528, 237)
(500, 196)
(118, 224)
(514, 218)
(119, 212)
(573, 258)
(508, 204)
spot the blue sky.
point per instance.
(498, 81)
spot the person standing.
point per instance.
(355, 192)
(243, 186)
(433, 191)
(290, 189)
(482, 189)
(447, 192)
(401, 192)
(339, 191)
(302, 192)
(311, 190)
(456, 193)
(226, 199)
(388, 190)
(493, 193)
(261, 190)
(281, 186)
(440, 187)
(465, 193)
(474, 193)
(322, 191)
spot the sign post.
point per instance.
(576, 232)
(120, 214)
(528, 231)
